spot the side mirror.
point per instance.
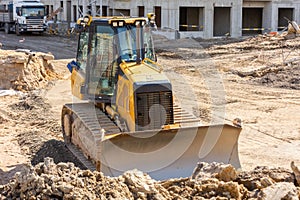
(78, 28)
(72, 64)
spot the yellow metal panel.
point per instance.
(137, 73)
(131, 105)
(77, 80)
(143, 72)
(124, 107)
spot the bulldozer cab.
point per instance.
(105, 43)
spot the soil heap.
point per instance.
(265, 60)
(24, 70)
(48, 180)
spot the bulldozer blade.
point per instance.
(168, 153)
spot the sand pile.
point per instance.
(265, 60)
(48, 180)
(24, 70)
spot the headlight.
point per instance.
(115, 24)
(86, 19)
(137, 23)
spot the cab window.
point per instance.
(82, 51)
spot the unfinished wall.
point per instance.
(273, 12)
(169, 14)
(284, 8)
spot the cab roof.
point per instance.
(126, 19)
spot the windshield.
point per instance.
(148, 43)
(33, 11)
(127, 39)
(102, 62)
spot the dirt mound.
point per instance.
(264, 60)
(48, 180)
(35, 130)
(24, 70)
(287, 77)
(43, 136)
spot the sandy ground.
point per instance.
(270, 115)
(205, 83)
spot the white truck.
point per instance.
(22, 16)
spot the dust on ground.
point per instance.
(263, 60)
(218, 92)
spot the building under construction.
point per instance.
(193, 18)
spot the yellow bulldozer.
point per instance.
(126, 117)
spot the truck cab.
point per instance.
(24, 16)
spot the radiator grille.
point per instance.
(154, 109)
(34, 24)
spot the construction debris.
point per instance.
(48, 180)
(24, 70)
(293, 30)
(214, 170)
(296, 171)
(280, 191)
(293, 27)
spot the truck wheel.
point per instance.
(18, 29)
(7, 28)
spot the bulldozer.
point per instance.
(126, 117)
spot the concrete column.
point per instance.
(208, 20)
(100, 6)
(78, 11)
(236, 19)
(84, 7)
(93, 7)
(274, 18)
(268, 16)
(170, 15)
(175, 15)
(134, 11)
(63, 14)
(297, 12)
